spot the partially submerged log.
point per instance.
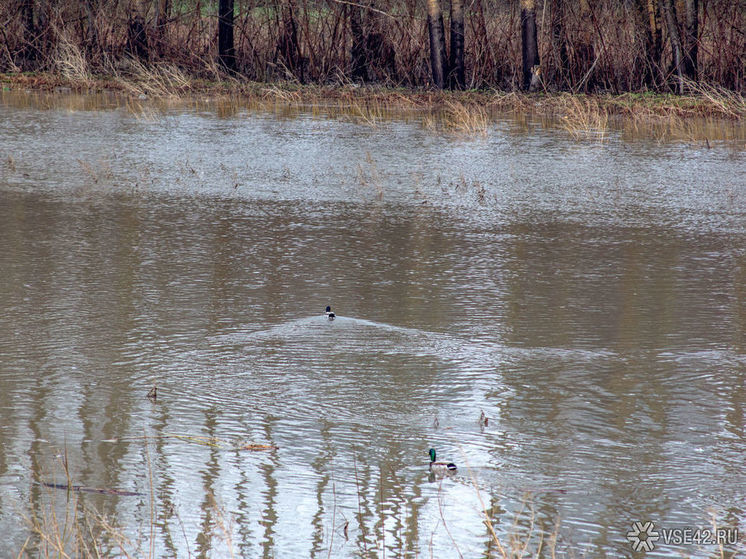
(84, 489)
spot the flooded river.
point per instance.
(565, 320)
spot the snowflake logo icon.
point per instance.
(643, 536)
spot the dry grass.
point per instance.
(470, 120)
(99, 179)
(369, 114)
(70, 529)
(143, 112)
(731, 104)
(706, 113)
(99, 173)
(369, 178)
(584, 118)
(465, 109)
(520, 542)
(62, 526)
(279, 95)
(154, 80)
(71, 63)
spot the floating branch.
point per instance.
(255, 446)
(84, 489)
(220, 443)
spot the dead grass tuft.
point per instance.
(154, 80)
(70, 61)
(370, 113)
(731, 104)
(369, 178)
(469, 119)
(584, 118)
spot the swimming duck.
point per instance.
(330, 315)
(441, 467)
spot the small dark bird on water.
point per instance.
(329, 314)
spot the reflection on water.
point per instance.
(587, 299)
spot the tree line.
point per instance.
(576, 45)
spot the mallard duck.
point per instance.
(329, 314)
(442, 467)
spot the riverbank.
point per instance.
(525, 303)
(168, 82)
(706, 114)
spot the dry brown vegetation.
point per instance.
(371, 103)
(602, 46)
(63, 524)
(707, 114)
(596, 66)
(599, 61)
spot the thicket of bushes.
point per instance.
(581, 45)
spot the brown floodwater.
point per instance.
(587, 297)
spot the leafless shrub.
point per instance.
(593, 47)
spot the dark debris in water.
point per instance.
(84, 489)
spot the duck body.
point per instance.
(441, 467)
(329, 314)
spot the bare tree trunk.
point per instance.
(226, 50)
(672, 26)
(692, 44)
(649, 14)
(90, 10)
(163, 14)
(529, 44)
(163, 11)
(137, 37)
(559, 42)
(29, 30)
(437, 43)
(487, 57)
(457, 73)
(28, 20)
(289, 46)
(380, 55)
(357, 50)
(585, 50)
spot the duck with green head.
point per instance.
(441, 467)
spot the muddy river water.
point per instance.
(564, 320)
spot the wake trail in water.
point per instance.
(348, 334)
